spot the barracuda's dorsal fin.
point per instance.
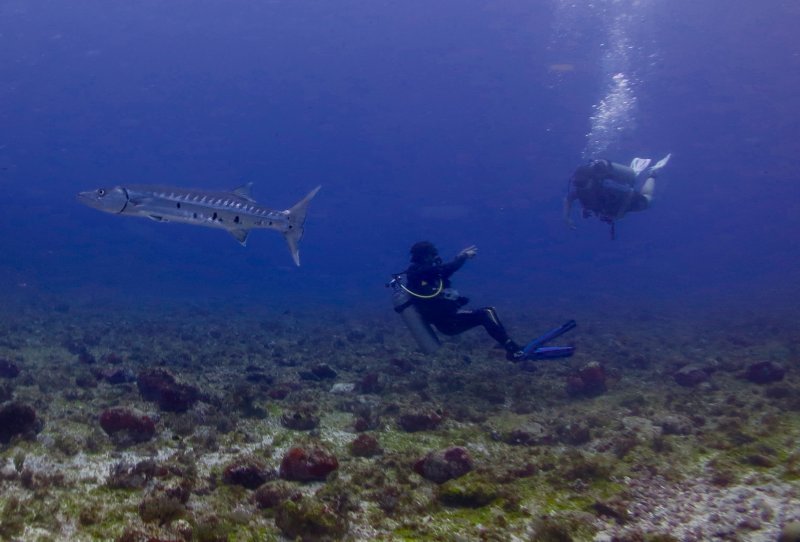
(244, 192)
(240, 235)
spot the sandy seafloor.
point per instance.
(648, 459)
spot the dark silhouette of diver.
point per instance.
(428, 282)
(608, 190)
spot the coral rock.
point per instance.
(526, 435)
(17, 419)
(574, 434)
(469, 492)
(249, 472)
(675, 424)
(691, 375)
(589, 381)
(307, 464)
(278, 392)
(371, 383)
(160, 507)
(323, 371)
(308, 519)
(271, 494)
(178, 398)
(118, 375)
(302, 418)
(444, 465)
(86, 380)
(112, 358)
(360, 424)
(124, 475)
(256, 375)
(151, 382)
(342, 388)
(365, 446)
(128, 424)
(159, 385)
(765, 372)
(419, 420)
(6, 393)
(8, 369)
(790, 532)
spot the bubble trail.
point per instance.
(613, 115)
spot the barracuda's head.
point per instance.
(110, 200)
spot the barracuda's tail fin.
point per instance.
(296, 218)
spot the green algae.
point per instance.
(475, 515)
(401, 442)
(563, 528)
(772, 452)
(309, 519)
(225, 527)
(274, 410)
(12, 518)
(407, 534)
(102, 512)
(16, 514)
(558, 484)
(471, 490)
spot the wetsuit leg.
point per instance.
(467, 319)
(648, 189)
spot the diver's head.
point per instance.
(582, 176)
(110, 200)
(424, 252)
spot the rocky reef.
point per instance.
(193, 425)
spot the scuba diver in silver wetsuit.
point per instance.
(424, 297)
(608, 190)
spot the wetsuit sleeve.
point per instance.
(449, 268)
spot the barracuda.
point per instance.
(235, 212)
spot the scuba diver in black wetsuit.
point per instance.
(426, 288)
(608, 190)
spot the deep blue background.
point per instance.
(440, 120)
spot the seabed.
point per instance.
(640, 458)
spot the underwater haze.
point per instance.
(458, 122)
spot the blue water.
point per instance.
(454, 121)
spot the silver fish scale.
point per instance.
(233, 211)
(229, 204)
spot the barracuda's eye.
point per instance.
(101, 192)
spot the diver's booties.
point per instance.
(513, 351)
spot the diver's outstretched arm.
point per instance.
(469, 252)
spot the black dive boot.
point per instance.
(513, 351)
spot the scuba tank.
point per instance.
(620, 179)
(421, 330)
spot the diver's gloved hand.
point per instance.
(469, 252)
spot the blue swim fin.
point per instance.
(551, 352)
(536, 349)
